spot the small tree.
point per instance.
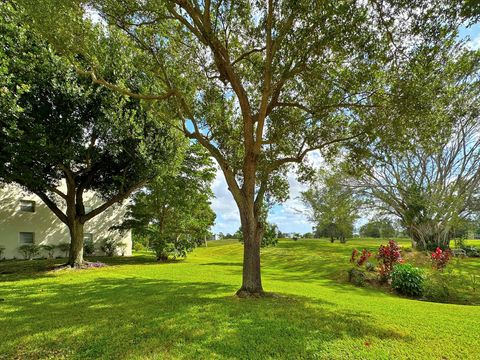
(64, 248)
(29, 251)
(332, 206)
(49, 249)
(174, 208)
(378, 229)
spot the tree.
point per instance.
(433, 185)
(332, 206)
(261, 84)
(430, 190)
(68, 129)
(173, 211)
(382, 228)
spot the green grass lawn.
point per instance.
(138, 309)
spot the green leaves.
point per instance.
(56, 125)
(332, 205)
(174, 208)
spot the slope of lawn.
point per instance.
(138, 309)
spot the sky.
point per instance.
(289, 216)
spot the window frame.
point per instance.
(24, 208)
(26, 243)
(85, 235)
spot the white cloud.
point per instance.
(289, 216)
(228, 220)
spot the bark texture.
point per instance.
(251, 275)
(75, 258)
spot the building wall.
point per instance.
(48, 228)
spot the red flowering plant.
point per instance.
(440, 258)
(364, 255)
(356, 275)
(388, 256)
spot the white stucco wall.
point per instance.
(48, 228)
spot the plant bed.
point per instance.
(420, 275)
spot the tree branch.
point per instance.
(52, 206)
(125, 91)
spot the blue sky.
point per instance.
(288, 216)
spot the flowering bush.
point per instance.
(364, 255)
(440, 258)
(354, 255)
(388, 256)
(356, 275)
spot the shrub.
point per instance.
(369, 266)
(29, 251)
(165, 247)
(407, 280)
(64, 247)
(388, 256)
(88, 247)
(139, 247)
(49, 249)
(2, 250)
(443, 287)
(434, 246)
(109, 247)
(440, 258)
(356, 276)
(471, 251)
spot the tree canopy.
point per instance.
(382, 228)
(173, 210)
(430, 189)
(62, 127)
(332, 206)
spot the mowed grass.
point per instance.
(139, 309)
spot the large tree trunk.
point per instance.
(251, 280)
(75, 258)
(428, 236)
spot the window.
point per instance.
(87, 237)
(27, 205)
(26, 238)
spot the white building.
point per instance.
(25, 219)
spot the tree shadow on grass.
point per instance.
(14, 270)
(225, 263)
(148, 318)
